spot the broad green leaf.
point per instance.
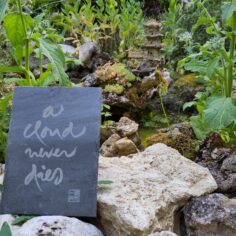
(219, 113)
(196, 65)
(56, 56)
(3, 7)
(14, 28)
(199, 127)
(21, 220)
(5, 230)
(212, 65)
(228, 10)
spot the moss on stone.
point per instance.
(114, 88)
(185, 144)
(186, 80)
(115, 73)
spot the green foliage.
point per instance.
(106, 114)
(214, 62)
(57, 59)
(219, 112)
(5, 230)
(21, 220)
(4, 123)
(115, 26)
(15, 29)
(3, 7)
(114, 88)
(180, 36)
(27, 37)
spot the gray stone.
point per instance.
(147, 190)
(88, 53)
(127, 127)
(57, 226)
(108, 148)
(212, 215)
(125, 147)
(222, 166)
(68, 49)
(117, 146)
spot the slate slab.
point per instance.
(52, 155)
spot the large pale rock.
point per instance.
(57, 226)
(147, 190)
(127, 127)
(212, 215)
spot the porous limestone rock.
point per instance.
(57, 226)
(147, 190)
(108, 148)
(125, 147)
(117, 146)
(212, 215)
(127, 127)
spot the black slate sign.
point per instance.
(53, 149)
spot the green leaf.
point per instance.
(9, 69)
(188, 105)
(14, 28)
(3, 7)
(202, 21)
(228, 10)
(196, 65)
(104, 182)
(219, 113)
(5, 230)
(199, 127)
(212, 65)
(21, 220)
(12, 80)
(56, 56)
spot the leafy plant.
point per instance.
(115, 26)
(19, 29)
(23, 32)
(180, 38)
(214, 61)
(106, 114)
(19, 220)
